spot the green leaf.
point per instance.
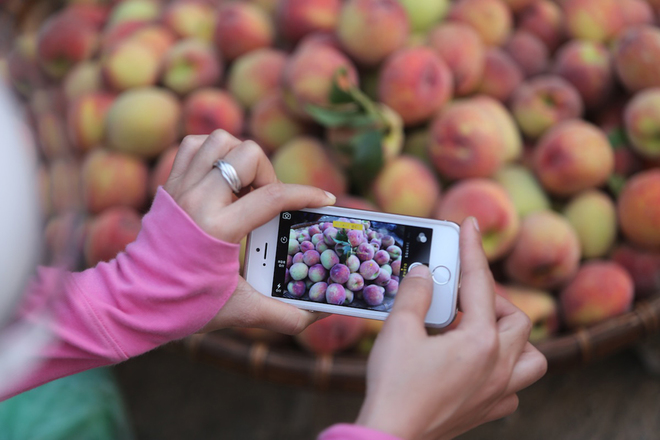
(347, 249)
(618, 138)
(616, 182)
(338, 94)
(364, 121)
(367, 158)
(341, 237)
(330, 117)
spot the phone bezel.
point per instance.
(443, 305)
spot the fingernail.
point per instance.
(476, 223)
(420, 271)
(332, 197)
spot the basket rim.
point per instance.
(347, 372)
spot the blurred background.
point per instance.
(539, 117)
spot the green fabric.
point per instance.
(85, 406)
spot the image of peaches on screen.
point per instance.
(344, 261)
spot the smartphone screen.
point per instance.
(352, 262)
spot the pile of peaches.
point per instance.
(541, 118)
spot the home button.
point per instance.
(441, 275)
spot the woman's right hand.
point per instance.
(437, 387)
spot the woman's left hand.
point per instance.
(201, 190)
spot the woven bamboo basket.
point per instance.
(290, 365)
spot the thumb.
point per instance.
(414, 295)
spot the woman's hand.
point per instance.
(201, 191)
(437, 387)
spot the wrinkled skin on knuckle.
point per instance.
(275, 193)
(218, 136)
(188, 144)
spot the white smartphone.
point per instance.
(350, 262)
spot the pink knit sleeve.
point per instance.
(345, 431)
(166, 285)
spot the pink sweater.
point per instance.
(167, 285)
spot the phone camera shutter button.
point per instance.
(441, 275)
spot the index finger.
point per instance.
(477, 296)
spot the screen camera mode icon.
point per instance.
(286, 216)
(283, 239)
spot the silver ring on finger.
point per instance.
(229, 174)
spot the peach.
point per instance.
(547, 252)
(353, 202)
(644, 267)
(424, 14)
(112, 36)
(129, 65)
(113, 179)
(270, 6)
(490, 18)
(490, 204)
(86, 120)
(158, 38)
(255, 75)
(191, 64)
(636, 53)
(596, 20)
(655, 4)
(636, 12)
(524, 190)
(270, 125)
(501, 75)
(64, 184)
(642, 116)
(528, 51)
(135, 10)
(415, 83)
(94, 14)
(84, 78)
(370, 30)
(513, 145)
(297, 18)
(600, 290)
(109, 233)
(161, 171)
(545, 19)
(466, 141)
(309, 73)
(405, 185)
(143, 121)
(332, 334)
(462, 49)
(191, 18)
(303, 160)
(587, 65)
(639, 210)
(593, 216)
(241, 28)
(541, 308)
(542, 102)
(206, 110)
(64, 42)
(573, 156)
